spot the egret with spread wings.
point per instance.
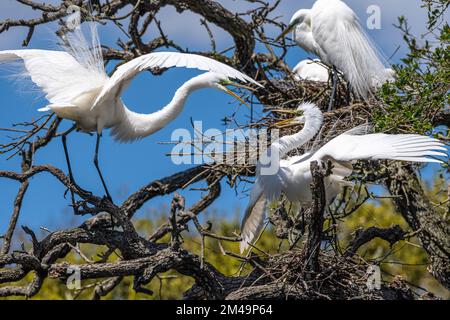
(294, 178)
(77, 87)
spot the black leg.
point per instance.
(69, 167)
(349, 93)
(97, 145)
(333, 92)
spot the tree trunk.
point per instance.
(433, 230)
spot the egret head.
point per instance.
(301, 16)
(306, 112)
(220, 82)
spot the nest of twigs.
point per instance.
(283, 97)
(338, 278)
(286, 95)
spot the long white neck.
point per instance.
(313, 123)
(270, 163)
(302, 33)
(304, 38)
(134, 125)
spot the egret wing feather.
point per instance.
(58, 74)
(379, 146)
(253, 220)
(126, 72)
(338, 32)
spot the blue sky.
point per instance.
(127, 167)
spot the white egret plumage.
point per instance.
(332, 31)
(311, 70)
(77, 87)
(252, 222)
(293, 177)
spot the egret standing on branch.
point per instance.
(332, 31)
(294, 178)
(76, 85)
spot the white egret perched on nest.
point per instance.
(77, 87)
(293, 177)
(332, 31)
(311, 70)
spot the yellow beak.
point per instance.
(284, 122)
(234, 95)
(238, 85)
(286, 31)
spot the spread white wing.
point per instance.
(253, 220)
(379, 146)
(60, 76)
(126, 72)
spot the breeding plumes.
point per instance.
(332, 31)
(311, 70)
(77, 87)
(293, 177)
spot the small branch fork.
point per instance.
(391, 235)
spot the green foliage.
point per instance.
(421, 89)
(406, 259)
(436, 11)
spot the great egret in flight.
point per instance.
(332, 31)
(311, 70)
(76, 85)
(293, 177)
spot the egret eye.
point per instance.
(225, 82)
